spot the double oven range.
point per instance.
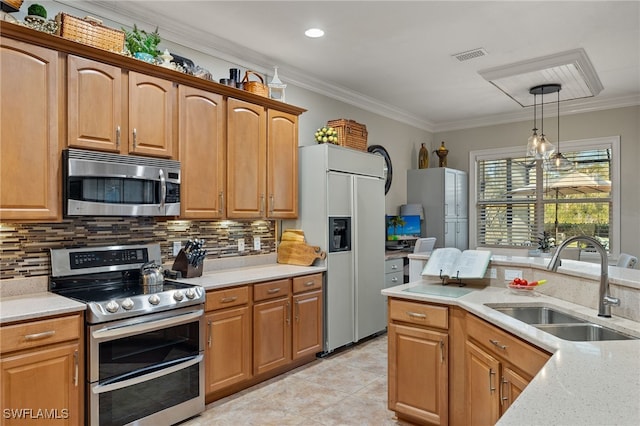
(144, 344)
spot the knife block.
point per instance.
(187, 270)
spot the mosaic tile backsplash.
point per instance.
(25, 247)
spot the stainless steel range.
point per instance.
(144, 338)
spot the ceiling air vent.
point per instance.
(470, 54)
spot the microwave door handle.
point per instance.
(163, 189)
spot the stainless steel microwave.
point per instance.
(103, 184)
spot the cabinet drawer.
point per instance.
(271, 289)
(393, 279)
(498, 342)
(40, 333)
(419, 313)
(307, 282)
(393, 265)
(227, 297)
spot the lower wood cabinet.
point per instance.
(271, 325)
(418, 361)
(447, 366)
(228, 340)
(41, 374)
(498, 368)
(307, 323)
(258, 331)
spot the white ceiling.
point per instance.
(394, 57)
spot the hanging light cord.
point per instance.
(542, 113)
(559, 121)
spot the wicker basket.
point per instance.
(91, 32)
(11, 5)
(351, 134)
(257, 87)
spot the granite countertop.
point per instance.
(42, 304)
(36, 305)
(253, 274)
(584, 383)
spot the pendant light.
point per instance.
(539, 147)
(534, 139)
(557, 161)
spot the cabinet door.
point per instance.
(29, 139)
(450, 193)
(462, 196)
(246, 160)
(271, 335)
(307, 324)
(228, 350)
(418, 373)
(282, 166)
(511, 386)
(151, 109)
(44, 379)
(94, 105)
(481, 382)
(202, 153)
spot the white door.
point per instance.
(339, 291)
(369, 234)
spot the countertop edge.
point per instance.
(35, 306)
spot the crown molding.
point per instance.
(579, 106)
(227, 50)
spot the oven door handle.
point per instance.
(146, 377)
(110, 333)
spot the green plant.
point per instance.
(141, 41)
(546, 242)
(37, 10)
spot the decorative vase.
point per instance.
(143, 56)
(442, 155)
(423, 158)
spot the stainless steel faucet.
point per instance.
(604, 299)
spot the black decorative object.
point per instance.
(379, 150)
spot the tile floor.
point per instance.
(346, 388)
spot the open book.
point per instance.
(455, 264)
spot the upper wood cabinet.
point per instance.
(282, 166)
(202, 153)
(29, 136)
(105, 113)
(95, 116)
(246, 159)
(151, 115)
(262, 166)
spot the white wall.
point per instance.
(624, 122)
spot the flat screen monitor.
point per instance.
(403, 228)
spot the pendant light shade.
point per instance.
(557, 161)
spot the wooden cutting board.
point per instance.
(297, 253)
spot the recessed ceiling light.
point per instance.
(314, 32)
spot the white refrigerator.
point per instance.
(342, 210)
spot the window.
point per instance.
(518, 198)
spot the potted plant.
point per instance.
(546, 242)
(141, 44)
(36, 12)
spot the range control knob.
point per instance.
(190, 293)
(127, 304)
(178, 295)
(112, 306)
(154, 299)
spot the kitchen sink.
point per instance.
(561, 324)
(583, 332)
(539, 315)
